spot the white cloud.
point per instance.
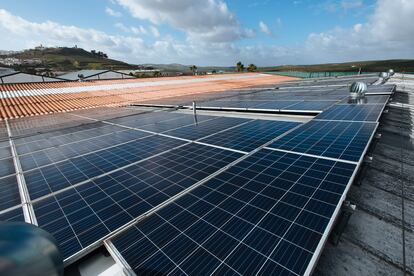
(140, 30)
(113, 13)
(122, 27)
(25, 34)
(154, 31)
(264, 28)
(351, 4)
(389, 33)
(202, 21)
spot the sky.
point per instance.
(215, 32)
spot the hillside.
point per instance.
(67, 59)
(403, 65)
(176, 67)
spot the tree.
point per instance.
(239, 66)
(251, 68)
(76, 64)
(193, 69)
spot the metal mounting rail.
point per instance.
(28, 211)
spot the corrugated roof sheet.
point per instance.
(19, 100)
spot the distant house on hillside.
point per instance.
(95, 75)
(10, 77)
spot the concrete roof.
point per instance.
(372, 243)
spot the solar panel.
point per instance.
(63, 136)
(15, 215)
(310, 105)
(6, 167)
(197, 131)
(374, 99)
(80, 216)
(352, 112)
(381, 88)
(265, 215)
(5, 149)
(141, 120)
(342, 140)
(63, 148)
(9, 192)
(250, 136)
(188, 120)
(297, 104)
(60, 175)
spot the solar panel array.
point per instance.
(81, 216)
(268, 214)
(265, 215)
(249, 136)
(334, 139)
(183, 194)
(352, 112)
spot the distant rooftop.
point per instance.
(95, 75)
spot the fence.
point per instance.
(301, 74)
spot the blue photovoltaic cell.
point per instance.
(57, 176)
(311, 105)
(64, 151)
(9, 192)
(248, 104)
(5, 150)
(342, 140)
(177, 123)
(265, 215)
(15, 215)
(147, 119)
(63, 136)
(380, 99)
(352, 112)
(197, 131)
(250, 136)
(81, 216)
(6, 167)
(298, 104)
(277, 104)
(160, 121)
(381, 88)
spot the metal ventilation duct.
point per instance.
(384, 75)
(28, 250)
(358, 89)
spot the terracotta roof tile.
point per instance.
(19, 100)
